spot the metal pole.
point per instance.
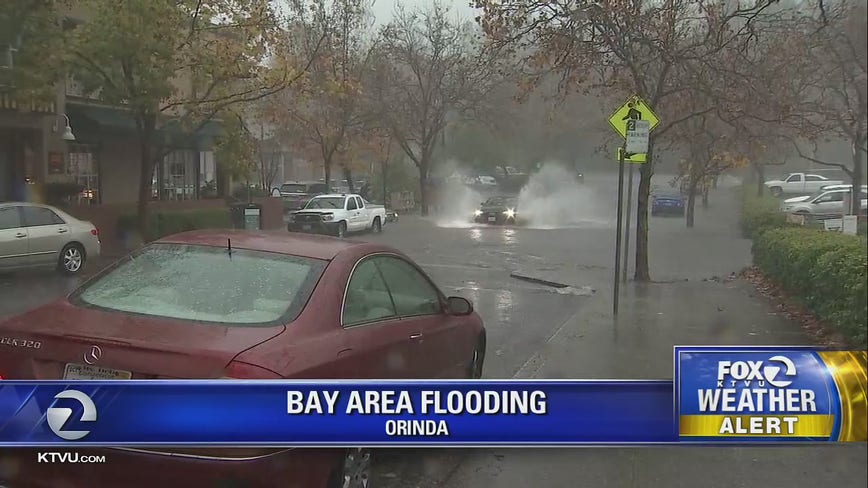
(627, 228)
(619, 229)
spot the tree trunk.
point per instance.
(855, 194)
(691, 202)
(643, 273)
(424, 188)
(384, 173)
(714, 182)
(348, 175)
(705, 189)
(760, 179)
(146, 174)
(327, 171)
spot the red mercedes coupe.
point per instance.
(246, 305)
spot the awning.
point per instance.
(115, 119)
(106, 118)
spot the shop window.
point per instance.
(207, 175)
(83, 168)
(179, 175)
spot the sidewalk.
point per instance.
(691, 308)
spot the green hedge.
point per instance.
(760, 213)
(164, 223)
(827, 271)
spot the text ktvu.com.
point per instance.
(69, 457)
(425, 402)
(756, 393)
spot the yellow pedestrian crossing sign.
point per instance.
(633, 109)
(634, 158)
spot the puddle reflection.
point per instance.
(509, 236)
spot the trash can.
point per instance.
(247, 216)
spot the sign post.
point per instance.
(634, 120)
(618, 232)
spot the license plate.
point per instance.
(492, 219)
(305, 227)
(84, 372)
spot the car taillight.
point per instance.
(246, 371)
(94, 232)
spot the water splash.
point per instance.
(553, 199)
(457, 205)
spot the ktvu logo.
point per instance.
(58, 416)
(758, 372)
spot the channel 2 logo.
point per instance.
(762, 372)
(58, 416)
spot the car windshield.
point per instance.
(205, 284)
(818, 193)
(293, 188)
(326, 202)
(500, 201)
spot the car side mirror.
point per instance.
(459, 306)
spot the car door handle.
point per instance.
(417, 335)
(62, 231)
(20, 235)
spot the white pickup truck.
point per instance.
(337, 214)
(799, 183)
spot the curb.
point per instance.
(538, 281)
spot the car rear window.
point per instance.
(293, 188)
(205, 284)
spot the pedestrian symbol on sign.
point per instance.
(633, 113)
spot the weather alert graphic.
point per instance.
(756, 394)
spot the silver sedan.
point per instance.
(41, 236)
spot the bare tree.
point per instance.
(622, 46)
(327, 105)
(431, 68)
(804, 83)
(834, 105)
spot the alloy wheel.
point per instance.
(72, 259)
(356, 470)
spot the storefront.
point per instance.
(23, 147)
(105, 160)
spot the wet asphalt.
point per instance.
(538, 331)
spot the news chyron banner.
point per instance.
(719, 395)
(770, 394)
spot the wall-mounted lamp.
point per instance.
(67, 131)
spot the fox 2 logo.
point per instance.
(58, 416)
(763, 373)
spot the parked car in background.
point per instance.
(486, 180)
(824, 203)
(276, 307)
(804, 198)
(799, 183)
(667, 203)
(296, 194)
(42, 236)
(337, 214)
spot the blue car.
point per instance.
(667, 204)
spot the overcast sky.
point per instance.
(383, 8)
